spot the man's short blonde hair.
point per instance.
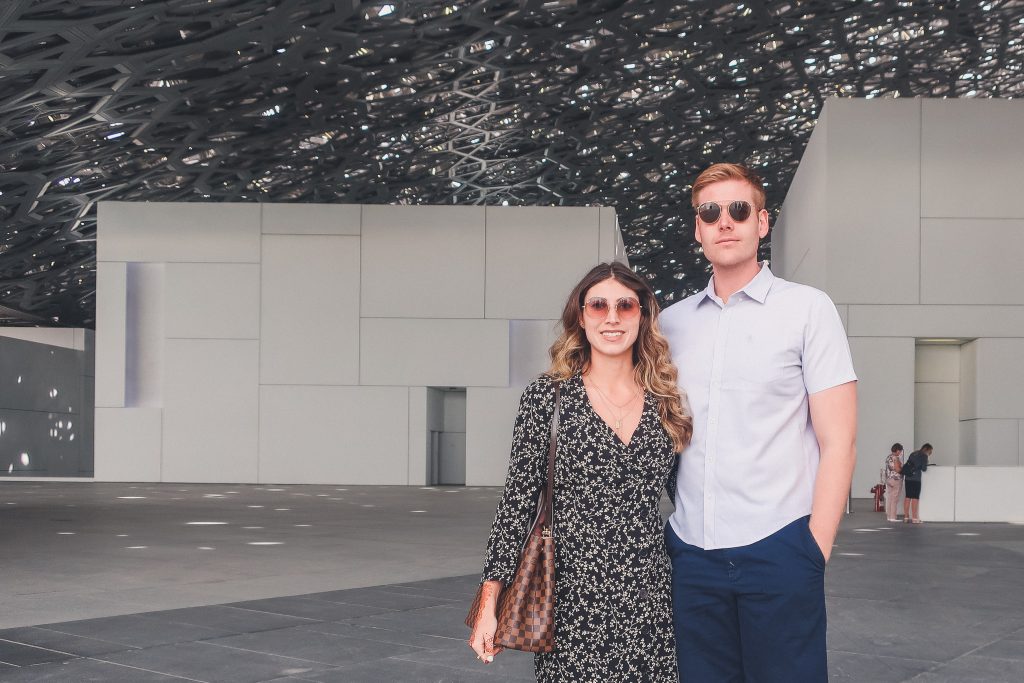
(718, 172)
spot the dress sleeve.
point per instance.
(672, 480)
(527, 473)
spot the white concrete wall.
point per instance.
(885, 403)
(902, 211)
(937, 401)
(298, 343)
(992, 401)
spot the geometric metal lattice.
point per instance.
(545, 102)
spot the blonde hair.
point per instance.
(716, 173)
(653, 369)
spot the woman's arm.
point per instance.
(527, 473)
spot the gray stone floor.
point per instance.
(338, 600)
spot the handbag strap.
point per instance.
(548, 510)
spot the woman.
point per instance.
(893, 481)
(917, 462)
(621, 425)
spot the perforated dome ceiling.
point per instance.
(530, 102)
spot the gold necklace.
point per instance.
(612, 406)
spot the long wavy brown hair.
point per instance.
(652, 364)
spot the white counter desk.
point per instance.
(972, 494)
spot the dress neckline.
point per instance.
(608, 428)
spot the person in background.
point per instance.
(917, 462)
(893, 481)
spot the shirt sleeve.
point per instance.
(826, 352)
(527, 474)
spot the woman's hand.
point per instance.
(482, 637)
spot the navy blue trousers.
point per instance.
(753, 614)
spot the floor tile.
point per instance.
(377, 597)
(230, 619)
(205, 662)
(971, 669)
(20, 654)
(358, 629)
(433, 621)
(309, 609)
(84, 671)
(62, 642)
(324, 648)
(1003, 649)
(850, 666)
(421, 672)
(136, 630)
(507, 663)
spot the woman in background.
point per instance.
(621, 426)
(893, 481)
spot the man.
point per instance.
(767, 370)
(917, 462)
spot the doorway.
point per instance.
(446, 421)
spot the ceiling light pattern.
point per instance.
(543, 102)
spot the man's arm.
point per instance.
(834, 417)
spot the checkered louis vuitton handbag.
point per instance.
(526, 607)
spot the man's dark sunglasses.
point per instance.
(710, 212)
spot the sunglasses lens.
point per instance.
(597, 308)
(740, 211)
(628, 308)
(709, 212)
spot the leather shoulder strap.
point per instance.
(549, 492)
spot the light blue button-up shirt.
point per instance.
(747, 367)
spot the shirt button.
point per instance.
(643, 594)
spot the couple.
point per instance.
(753, 437)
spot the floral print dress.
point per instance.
(613, 591)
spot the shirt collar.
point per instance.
(757, 289)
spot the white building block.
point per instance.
(967, 260)
(993, 443)
(490, 417)
(970, 157)
(937, 419)
(111, 329)
(800, 234)
(191, 232)
(212, 301)
(311, 219)
(440, 353)
(885, 403)
(937, 363)
(535, 255)
(310, 310)
(334, 435)
(989, 494)
(423, 262)
(128, 444)
(960, 322)
(873, 211)
(211, 411)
